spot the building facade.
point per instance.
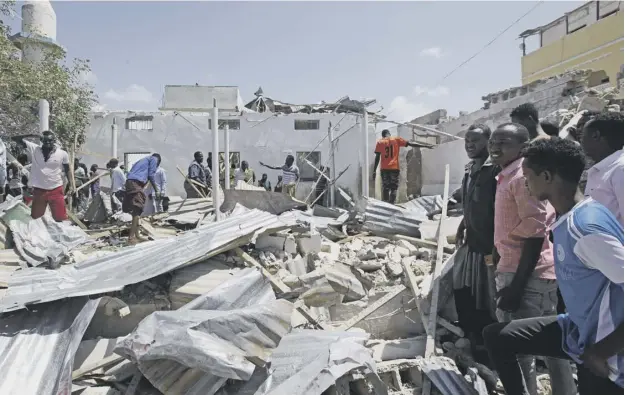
(589, 37)
(254, 137)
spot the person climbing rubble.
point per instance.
(140, 174)
(387, 155)
(588, 245)
(525, 274)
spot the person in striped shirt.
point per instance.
(588, 250)
(290, 174)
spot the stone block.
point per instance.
(387, 350)
(412, 250)
(308, 244)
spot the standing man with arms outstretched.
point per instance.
(588, 250)
(49, 163)
(387, 150)
(290, 174)
(142, 172)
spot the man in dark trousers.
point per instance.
(196, 173)
(588, 251)
(142, 172)
(387, 155)
(474, 286)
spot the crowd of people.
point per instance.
(533, 244)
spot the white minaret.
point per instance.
(38, 30)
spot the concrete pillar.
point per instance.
(114, 138)
(365, 165)
(332, 165)
(227, 156)
(44, 115)
(215, 179)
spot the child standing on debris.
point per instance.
(387, 150)
(474, 288)
(290, 174)
(588, 246)
(525, 274)
(602, 141)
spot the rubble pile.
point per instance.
(321, 301)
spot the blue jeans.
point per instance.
(539, 299)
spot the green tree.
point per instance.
(60, 82)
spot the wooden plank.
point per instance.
(422, 243)
(281, 287)
(192, 183)
(75, 220)
(372, 308)
(430, 343)
(111, 359)
(412, 283)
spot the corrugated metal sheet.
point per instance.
(217, 332)
(135, 264)
(391, 219)
(37, 348)
(444, 374)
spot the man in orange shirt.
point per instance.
(387, 149)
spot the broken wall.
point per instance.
(547, 95)
(261, 137)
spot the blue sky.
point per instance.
(302, 52)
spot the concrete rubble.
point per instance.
(292, 301)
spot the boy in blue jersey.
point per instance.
(588, 250)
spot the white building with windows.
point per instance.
(183, 126)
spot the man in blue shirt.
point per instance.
(588, 250)
(134, 199)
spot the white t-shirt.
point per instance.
(118, 180)
(46, 175)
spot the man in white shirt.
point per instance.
(602, 140)
(118, 182)
(155, 202)
(49, 164)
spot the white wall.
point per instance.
(262, 137)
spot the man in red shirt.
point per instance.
(387, 149)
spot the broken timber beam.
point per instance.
(421, 243)
(111, 359)
(371, 309)
(430, 344)
(280, 286)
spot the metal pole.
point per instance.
(44, 115)
(365, 167)
(227, 156)
(114, 138)
(332, 164)
(215, 178)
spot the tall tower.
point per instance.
(38, 33)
